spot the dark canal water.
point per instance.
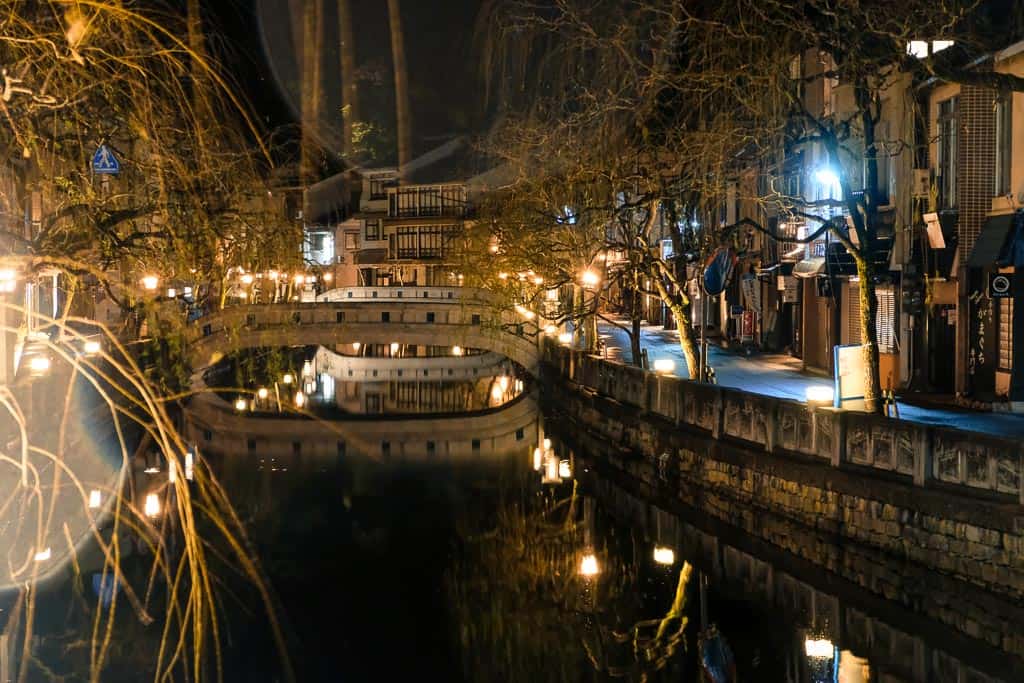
(434, 522)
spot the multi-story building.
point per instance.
(395, 233)
(974, 243)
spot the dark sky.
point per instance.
(440, 49)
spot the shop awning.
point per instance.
(990, 245)
(810, 267)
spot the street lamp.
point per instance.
(590, 278)
(663, 555)
(300, 399)
(288, 378)
(152, 505)
(241, 404)
(589, 566)
(664, 366)
(150, 283)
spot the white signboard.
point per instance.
(849, 376)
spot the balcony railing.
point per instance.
(416, 201)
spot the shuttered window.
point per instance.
(885, 326)
(853, 313)
(1005, 333)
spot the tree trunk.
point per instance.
(634, 336)
(403, 118)
(869, 337)
(680, 305)
(311, 91)
(349, 92)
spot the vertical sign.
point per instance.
(849, 376)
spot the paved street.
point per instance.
(780, 375)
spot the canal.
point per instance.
(420, 511)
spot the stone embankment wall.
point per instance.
(937, 497)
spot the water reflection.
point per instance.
(371, 379)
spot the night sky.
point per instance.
(444, 80)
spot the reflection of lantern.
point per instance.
(537, 459)
(152, 505)
(589, 566)
(300, 399)
(551, 469)
(496, 392)
(241, 404)
(664, 555)
(262, 393)
(822, 649)
(564, 469)
(288, 378)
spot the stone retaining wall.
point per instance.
(725, 453)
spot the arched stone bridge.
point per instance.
(430, 316)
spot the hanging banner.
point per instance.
(751, 290)
(718, 270)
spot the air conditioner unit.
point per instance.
(922, 183)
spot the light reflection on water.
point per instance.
(476, 546)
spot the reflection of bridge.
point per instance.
(346, 368)
(430, 316)
(215, 426)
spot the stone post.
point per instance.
(922, 456)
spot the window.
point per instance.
(476, 445)
(1004, 116)
(475, 319)
(373, 229)
(948, 151)
(1005, 309)
(385, 317)
(350, 241)
(430, 243)
(339, 316)
(379, 187)
(406, 246)
(430, 317)
(885, 328)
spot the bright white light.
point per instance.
(457, 351)
(940, 45)
(590, 278)
(565, 338)
(43, 555)
(189, 465)
(273, 274)
(525, 312)
(151, 507)
(7, 274)
(310, 279)
(152, 470)
(918, 48)
(171, 292)
(819, 394)
(307, 368)
(262, 393)
(247, 279)
(663, 555)
(564, 469)
(503, 382)
(551, 295)
(300, 399)
(188, 291)
(827, 177)
(39, 364)
(328, 277)
(150, 282)
(356, 346)
(502, 276)
(550, 329)
(288, 378)
(91, 347)
(819, 648)
(496, 392)
(547, 444)
(241, 404)
(172, 471)
(95, 499)
(394, 348)
(536, 459)
(664, 365)
(299, 277)
(589, 566)
(538, 280)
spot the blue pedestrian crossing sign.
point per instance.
(104, 161)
